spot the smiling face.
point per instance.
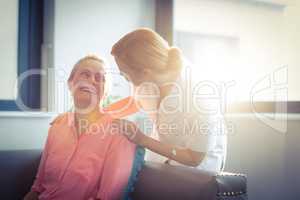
(87, 84)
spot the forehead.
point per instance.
(91, 65)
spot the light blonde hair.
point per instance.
(144, 49)
(96, 58)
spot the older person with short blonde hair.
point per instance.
(84, 156)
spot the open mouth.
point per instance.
(88, 89)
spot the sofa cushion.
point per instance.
(17, 172)
(155, 181)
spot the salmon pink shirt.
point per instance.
(95, 165)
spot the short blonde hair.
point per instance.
(96, 58)
(145, 49)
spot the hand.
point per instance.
(129, 130)
(31, 196)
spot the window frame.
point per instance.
(30, 39)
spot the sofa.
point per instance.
(155, 181)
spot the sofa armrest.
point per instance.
(162, 181)
(231, 186)
(17, 171)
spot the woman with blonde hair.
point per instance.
(186, 131)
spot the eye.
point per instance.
(99, 77)
(85, 74)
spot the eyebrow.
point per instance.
(85, 70)
(102, 72)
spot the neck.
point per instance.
(89, 117)
(164, 91)
(166, 86)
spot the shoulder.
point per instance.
(61, 118)
(58, 125)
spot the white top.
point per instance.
(190, 122)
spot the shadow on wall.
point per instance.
(266, 156)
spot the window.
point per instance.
(22, 23)
(249, 43)
(214, 57)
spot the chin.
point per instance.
(85, 102)
(137, 82)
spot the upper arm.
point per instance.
(199, 135)
(211, 129)
(117, 169)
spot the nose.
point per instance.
(93, 81)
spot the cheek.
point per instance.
(71, 86)
(101, 89)
(72, 89)
(130, 76)
(125, 71)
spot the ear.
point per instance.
(104, 95)
(148, 73)
(153, 76)
(70, 85)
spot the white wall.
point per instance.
(23, 130)
(8, 48)
(82, 26)
(292, 27)
(93, 26)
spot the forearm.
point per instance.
(183, 156)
